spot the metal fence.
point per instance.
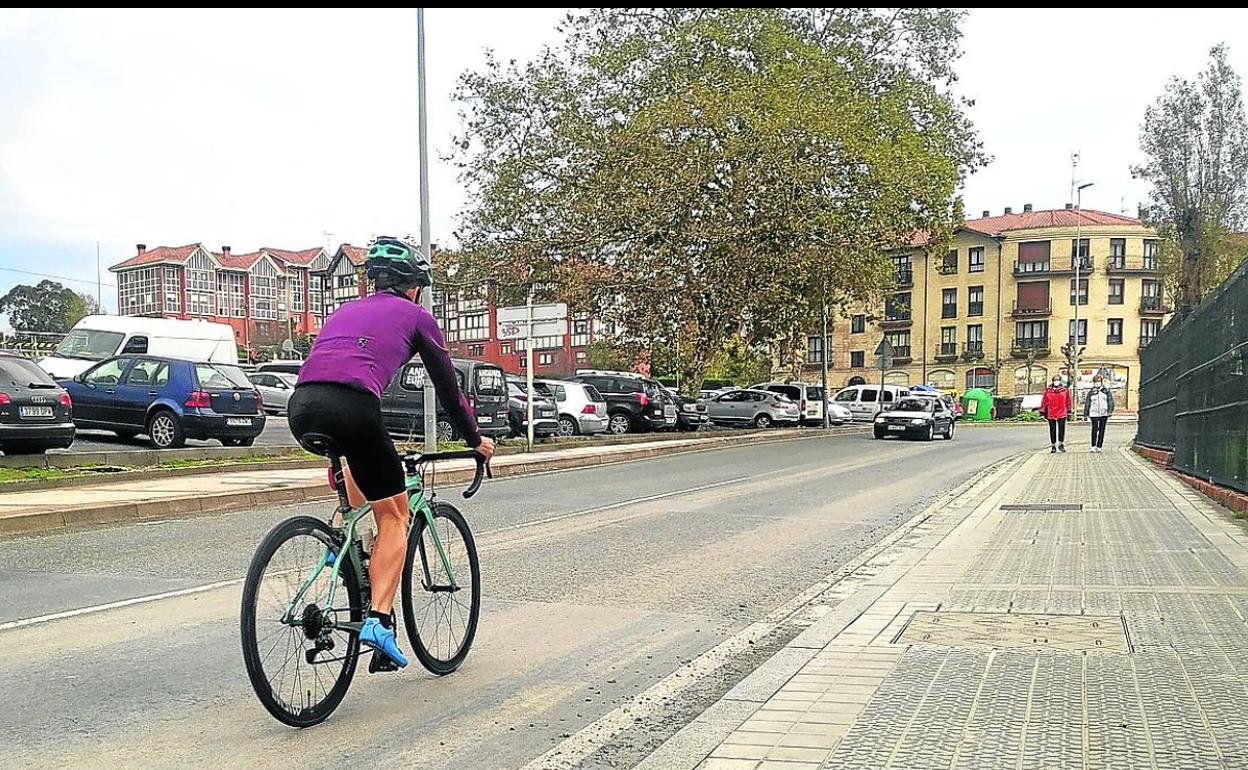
(1194, 387)
(29, 344)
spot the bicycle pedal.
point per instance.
(380, 662)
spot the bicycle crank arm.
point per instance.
(439, 589)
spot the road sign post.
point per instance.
(884, 360)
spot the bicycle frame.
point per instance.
(418, 504)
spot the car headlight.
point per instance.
(918, 421)
(880, 419)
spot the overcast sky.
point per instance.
(251, 128)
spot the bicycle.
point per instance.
(314, 624)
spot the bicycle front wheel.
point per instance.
(299, 661)
(440, 613)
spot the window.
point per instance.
(294, 285)
(1038, 376)
(136, 344)
(857, 359)
(580, 327)
(869, 395)
(475, 326)
(230, 294)
(413, 377)
(581, 356)
(1150, 289)
(848, 395)
(505, 348)
(981, 377)
(1033, 257)
(1113, 334)
(902, 270)
(1115, 291)
(172, 290)
(1081, 250)
(897, 307)
(949, 303)
(264, 291)
(975, 338)
(136, 291)
(1149, 328)
(1150, 254)
(580, 332)
(108, 373)
(476, 350)
(1083, 291)
(201, 286)
(858, 324)
(1118, 253)
(814, 350)
(545, 359)
(1083, 330)
(948, 340)
(1031, 334)
(148, 373)
(975, 259)
(949, 265)
(975, 300)
(1033, 298)
(316, 294)
(900, 342)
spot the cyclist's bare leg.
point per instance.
(389, 551)
(355, 498)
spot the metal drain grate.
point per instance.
(995, 630)
(1043, 507)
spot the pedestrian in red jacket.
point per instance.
(1055, 406)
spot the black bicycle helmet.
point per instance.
(394, 263)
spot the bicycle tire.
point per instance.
(420, 556)
(310, 713)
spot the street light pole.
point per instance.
(1074, 342)
(431, 398)
(824, 346)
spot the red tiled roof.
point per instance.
(1035, 220)
(302, 257)
(237, 261)
(357, 254)
(178, 254)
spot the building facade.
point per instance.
(995, 309)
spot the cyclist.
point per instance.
(360, 347)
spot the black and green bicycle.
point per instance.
(307, 593)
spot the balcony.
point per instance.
(1025, 345)
(904, 278)
(947, 268)
(946, 352)
(1123, 264)
(1032, 311)
(1053, 267)
(897, 322)
(1153, 306)
(973, 351)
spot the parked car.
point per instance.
(582, 409)
(36, 414)
(634, 403)
(169, 400)
(282, 367)
(760, 408)
(690, 412)
(864, 401)
(403, 401)
(809, 398)
(275, 388)
(915, 416)
(545, 413)
(838, 414)
(706, 394)
(97, 337)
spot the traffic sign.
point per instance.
(549, 312)
(514, 330)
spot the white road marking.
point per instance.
(115, 605)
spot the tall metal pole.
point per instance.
(431, 398)
(99, 285)
(528, 368)
(826, 419)
(1074, 342)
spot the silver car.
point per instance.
(582, 409)
(275, 388)
(760, 408)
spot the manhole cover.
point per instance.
(1043, 507)
(1069, 633)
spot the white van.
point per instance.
(97, 337)
(809, 398)
(864, 400)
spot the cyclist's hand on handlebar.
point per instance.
(486, 447)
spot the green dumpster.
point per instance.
(977, 405)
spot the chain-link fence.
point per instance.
(1194, 387)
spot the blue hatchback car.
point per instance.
(169, 400)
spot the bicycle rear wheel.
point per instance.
(299, 663)
(441, 621)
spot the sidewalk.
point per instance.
(42, 510)
(1069, 611)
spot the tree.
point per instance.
(602, 354)
(1196, 140)
(46, 307)
(708, 174)
(81, 306)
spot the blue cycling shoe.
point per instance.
(330, 558)
(382, 639)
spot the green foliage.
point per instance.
(603, 354)
(45, 307)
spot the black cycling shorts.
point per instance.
(352, 418)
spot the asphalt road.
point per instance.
(597, 584)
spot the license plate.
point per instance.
(896, 427)
(483, 418)
(238, 422)
(34, 411)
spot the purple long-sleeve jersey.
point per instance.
(365, 342)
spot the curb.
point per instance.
(179, 507)
(139, 457)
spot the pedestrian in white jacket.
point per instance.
(1098, 405)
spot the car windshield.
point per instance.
(914, 405)
(20, 373)
(221, 376)
(89, 344)
(489, 381)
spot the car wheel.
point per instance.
(762, 420)
(445, 431)
(164, 430)
(949, 433)
(879, 433)
(619, 424)
(931, 433)
(568, 426)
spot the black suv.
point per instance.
(634, 403)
